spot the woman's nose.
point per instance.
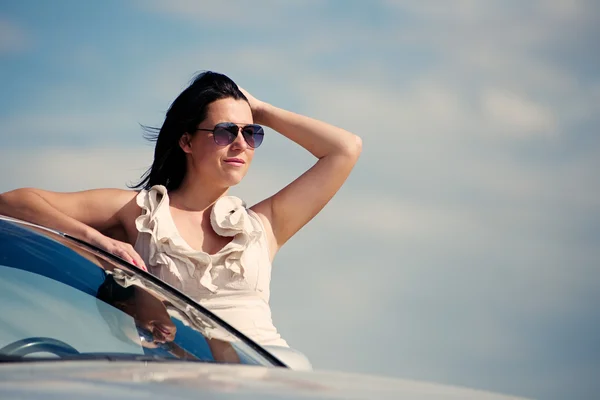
(239, 142)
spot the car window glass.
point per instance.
(55, 288)
(32, 305)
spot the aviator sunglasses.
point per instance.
(225, 133)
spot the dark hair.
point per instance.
(111, 292)
(185, 113)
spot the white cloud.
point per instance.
(513, 46)
(515, 114)
(66, 127)
(473, 11)
(491, 80)
(258, 15)
(392, 216)
(73, 168)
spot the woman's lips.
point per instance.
(162, 333)
(167, 330)
(235, 161)
(164, 329)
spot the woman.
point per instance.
(182, 225)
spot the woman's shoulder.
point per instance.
(149, 204)
(157, 189)
(115, 199)
(150, 198)
(117, 203)
(103, 200)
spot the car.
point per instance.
(77, 322)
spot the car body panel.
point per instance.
(191, 380)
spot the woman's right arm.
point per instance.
(80, 214)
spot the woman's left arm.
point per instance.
(337, 150)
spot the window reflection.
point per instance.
(139, 313)
(154, 322)
(149, 313)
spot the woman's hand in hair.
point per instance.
(337, 151)
(255, 105)
(120, 249)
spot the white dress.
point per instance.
(233, 283)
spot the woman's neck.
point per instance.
(196, 196)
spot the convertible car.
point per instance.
(76, 322)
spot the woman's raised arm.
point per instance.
(337, 150)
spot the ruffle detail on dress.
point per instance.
(124, 279)
(228, 218)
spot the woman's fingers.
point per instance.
(128, 253)
(255, 104)
(135, 257)
(248, 95)
(120, 249)
(122, 253)
(138, 262)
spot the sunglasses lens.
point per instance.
(145, 334)
(253, 134)
(225, 133)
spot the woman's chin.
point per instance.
(232, 179)
(233, 182)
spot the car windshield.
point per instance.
(62, 299)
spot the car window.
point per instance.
(61, 298)
(36, 306)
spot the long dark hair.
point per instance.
(185, 113)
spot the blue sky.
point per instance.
(464, 248)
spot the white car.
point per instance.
(76, 322)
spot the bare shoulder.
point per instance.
(112, 211)
(108, 199)
(128, 213)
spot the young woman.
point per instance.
(182, 226)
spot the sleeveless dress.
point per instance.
(232, 283)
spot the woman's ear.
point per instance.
(185, 142)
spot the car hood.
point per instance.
(125, 380)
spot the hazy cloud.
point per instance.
(13, 38)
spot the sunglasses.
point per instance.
(145, 334)
(225, 133)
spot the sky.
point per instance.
(464, 249)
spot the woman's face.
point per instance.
(212, 163)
